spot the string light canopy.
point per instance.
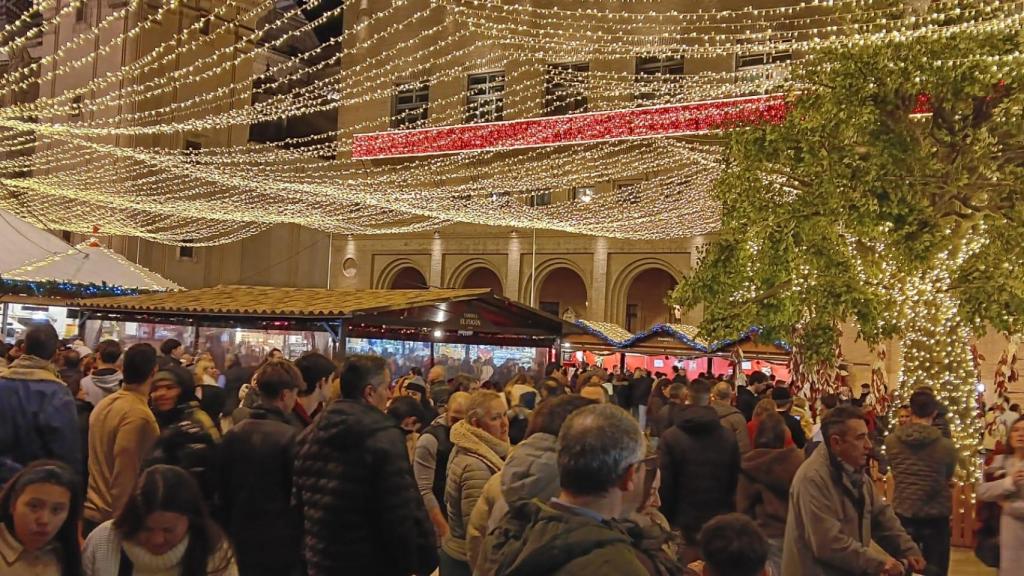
(102, 145)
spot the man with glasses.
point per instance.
(835, 513)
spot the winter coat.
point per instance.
(191, 448)
(101, 383)
(655, 545)
(122, 430)
(922, 463)
(72, 377)
(38, 418)
(831, 524)
(763, 491)
(700, 463)
(796, 431)
(655, 403)
(537, 539)
(531, 471)
(257, 459)
(733, 419)
(362, 513)
(665, 418)
(746, 401)
(1001, 488)
(640, 390)
(475, 458)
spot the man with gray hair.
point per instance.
(729, 416)
(601, 453)
(700, 465)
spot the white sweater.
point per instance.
(102, 556)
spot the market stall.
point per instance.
(410, 327)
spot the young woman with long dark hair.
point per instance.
(163, 530)
(40, 509)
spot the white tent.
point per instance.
(24, 243)
(90, 263)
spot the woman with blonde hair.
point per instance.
(481, 444)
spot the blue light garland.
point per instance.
(61, 289)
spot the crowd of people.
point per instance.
(130, 461)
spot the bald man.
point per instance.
(431, 458)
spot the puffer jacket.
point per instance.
(763, 491)
(531, 471)
(733, 419)
(537, 539)
(38, 417)
(476, 456)
(832, 523)
(700, 463)
(922, 463)
(362, 513)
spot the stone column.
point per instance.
(596, 310)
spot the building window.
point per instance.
(497, 196)
(784, 53)
(187, 251)
(485, 97)
(656, 76)
(410, 105)
(632, 315)
(551, 308)
(583, 194)
(81, 12)
(206, 26)
(76, 107)
(65, 235)
(539, 198)
(193, 145)
(565, 89)
(628, 192)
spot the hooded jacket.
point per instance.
(476, 456)
(38, 417)
(362, 513)
(922, 463)
(700, 462)
(763, 491)
(101, 383)
(733, 419)
(831, 523)
(536, 539)
(530, 472)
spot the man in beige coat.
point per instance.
(835, 514)
(730, 417)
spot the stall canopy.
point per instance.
(600, 335)
(89, 263)
(671, 339)
(675, 339)
(458, 316)
(24, 243)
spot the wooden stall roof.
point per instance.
(313, 303)
(605, 333)
(661, 336)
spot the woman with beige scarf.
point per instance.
(481, 445)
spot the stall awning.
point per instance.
(24, 243)
(669, 337)
(467, 315)
(90, 263)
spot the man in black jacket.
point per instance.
(784, 401)
(353, 482)
(700, 465)
(257, 457)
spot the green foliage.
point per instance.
(826, 215)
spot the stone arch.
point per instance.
(464, 270)
(618, 293)
(573, 291)
(390, 271)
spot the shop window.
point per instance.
(485, 97)
(747, 60)
(656, 76)
(410, 105)
(565, 89)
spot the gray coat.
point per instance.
(474, 459)
(825, 534)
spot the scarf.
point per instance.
(31, 368)
(480, 444)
